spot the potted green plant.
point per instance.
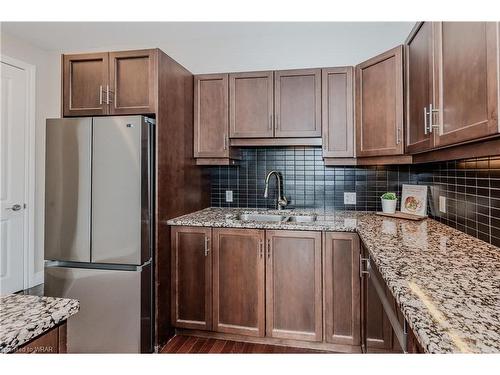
(389, 201)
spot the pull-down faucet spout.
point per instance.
(281, 200)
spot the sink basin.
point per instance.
(302, 219)
(275, 218)
(261, 217)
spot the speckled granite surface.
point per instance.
(447, 283)
(227, 218)
(22, 318)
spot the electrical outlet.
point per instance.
(349, 198)
(229, 196)
(442, 204)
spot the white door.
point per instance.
(13, 101)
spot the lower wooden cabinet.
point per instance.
(341, 283)
(285, 285)
(191, 278)
(51, 342)
(293, 285)
(377, 332)
(238, 281)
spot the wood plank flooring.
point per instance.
(196, 345)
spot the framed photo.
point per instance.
(414, 200)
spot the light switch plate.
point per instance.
(229, 196)
(442, 204)
(349, 198)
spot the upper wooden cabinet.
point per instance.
(85, 78)
(211, 104)
(114, 83)
(251, 105)
(379, 105)
(293, 290)
(467, 66)
(419, 87)
(191, 277)
(338, 112)
(297, 97)
(341, 282)
(451, 84)
(238, 281)
(132, 82)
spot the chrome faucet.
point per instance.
(281, 201)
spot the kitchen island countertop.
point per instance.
(25, 317)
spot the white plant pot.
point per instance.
(389, 205)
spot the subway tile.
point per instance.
(471, 186)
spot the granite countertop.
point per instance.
(23, 317)
(446, 283)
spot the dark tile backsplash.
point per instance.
(307, 181)
(472, 187)
(472, 191)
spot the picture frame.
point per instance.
(414, 199)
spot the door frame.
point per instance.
(31, 278)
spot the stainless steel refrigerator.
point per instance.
(99, 204)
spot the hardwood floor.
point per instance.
(196, 345)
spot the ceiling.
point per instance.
(207, 47)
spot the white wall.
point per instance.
(47, 105)
(208, 47)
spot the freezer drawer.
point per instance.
(68, 189)
(120, 190)
(115, 308)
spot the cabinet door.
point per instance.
(342, 288)
(376, 327)
(85, 78)
(132, 82)
(191, 277)
(238, 281)
(467, 62)
(298, 103)
(293, 285)
(338, 116)
(251, 105)
(379, 105)
(211, 112)
(51, 342)
(419, 87)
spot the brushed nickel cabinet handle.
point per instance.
(224, 139)
(207, 247)
(431, 119)
(398, 140)
(426, 130)
(431, 125)
(261, 250)
(107, 94)
(100, 95)
(362, 271)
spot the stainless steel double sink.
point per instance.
(275, 218)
